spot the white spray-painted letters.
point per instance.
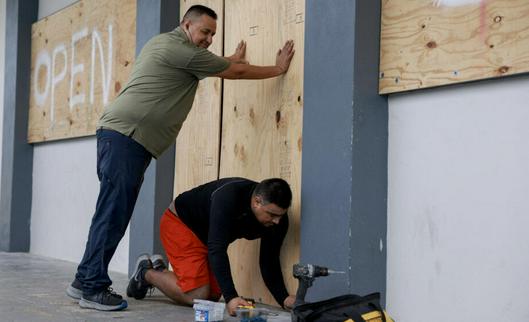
(56, 70)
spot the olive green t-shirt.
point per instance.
(160, 92)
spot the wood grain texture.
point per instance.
(81, 58)
(262, 124)
(427, 43)
(198, 143)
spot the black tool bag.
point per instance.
(342, 308)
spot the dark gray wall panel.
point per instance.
(327, 147)
(344, 169)
(370, 146)
(17, 154)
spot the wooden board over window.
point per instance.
(81, 57)
(198, 143)
(262, 124)
(427, 43)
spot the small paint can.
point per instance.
(208, 311)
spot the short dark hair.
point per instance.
(199, 10)
(276, 191)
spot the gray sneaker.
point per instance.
(138, 286)
(158, 263)
(75, 290)
(106, 300)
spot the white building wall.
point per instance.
(2, 69)
(458, 203)
(65, 188)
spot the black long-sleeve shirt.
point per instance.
(220, 212)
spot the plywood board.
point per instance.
(426, 43)
(262, 124)
(80, 59)
(197, 144)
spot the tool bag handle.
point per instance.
(372, 300)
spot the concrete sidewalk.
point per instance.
(33, 289)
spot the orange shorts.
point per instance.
(187, 254)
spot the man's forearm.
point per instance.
(260, 72)
(220, 264)
(271, 269)
(246, 71)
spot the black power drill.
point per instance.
(306, 273)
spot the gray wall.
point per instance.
(458, 203)
(344, 170)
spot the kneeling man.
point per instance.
(196, 230)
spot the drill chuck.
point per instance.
(309, 271)
(320, 271)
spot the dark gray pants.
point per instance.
(121, 164)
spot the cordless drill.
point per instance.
(306, 273)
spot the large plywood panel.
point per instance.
(197, 144)
(80, 59)
(262, 122)
(426, 43)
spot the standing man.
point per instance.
(196, 231)
(141, 123)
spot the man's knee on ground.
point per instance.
(201, 293)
